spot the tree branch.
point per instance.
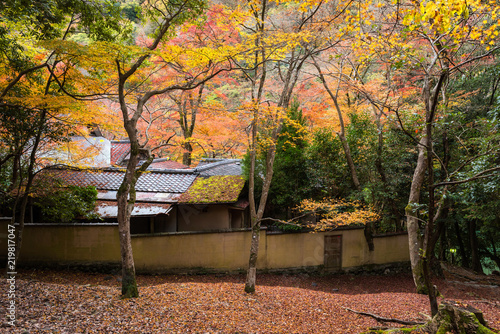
(382, 319)
(478, 176)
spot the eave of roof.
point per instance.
(110, 209)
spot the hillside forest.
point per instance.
(382, 113)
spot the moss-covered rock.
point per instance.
(457, 318)
(452, 317)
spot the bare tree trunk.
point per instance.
(414, 239)
(461, 246)
(254, 251)
(126, 197)
(126, 200)
(256, 99)
(475, 259)
(428, 247)
(255, 223)
(129, 284)
(256, 218)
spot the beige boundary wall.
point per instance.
(92, 245)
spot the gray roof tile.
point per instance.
(213, 167)
(111, 180)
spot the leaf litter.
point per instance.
(50, 301)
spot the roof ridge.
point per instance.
(215, 164)
(124, 169)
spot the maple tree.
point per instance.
(279, 46)
(34, 112)
(335, 213)
(182, 110)
(349, 63)
(133, 75)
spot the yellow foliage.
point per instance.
(334, 213)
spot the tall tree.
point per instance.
(31, 104)
(133, 75)
(435, 41)
(283, 47)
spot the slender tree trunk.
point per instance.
(256, 221)
(414, 239)
(429, 243)
(28, 186)
(126, 198)
(461, 245)
(475, 258)
(341, 134)
(257, 91)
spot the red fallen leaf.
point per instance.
(73, 302)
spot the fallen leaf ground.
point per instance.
(75, 302)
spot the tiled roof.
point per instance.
(119, 150)
(111, 179)
(166, 164)
(212, 167)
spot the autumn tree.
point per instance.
(434, 41)
(214, 28)
(34, 112)
(279, 47)
(133, 75)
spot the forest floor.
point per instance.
(74, 302)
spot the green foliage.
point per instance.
(328, 167)
(328, 156)
(132, 10)
(42, 20)
(292, 180)
(361, 134)
(62, 205)
(185, 11)
(473, 141)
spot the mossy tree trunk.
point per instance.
(126, 69)
(414, 234)
(126, 197)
